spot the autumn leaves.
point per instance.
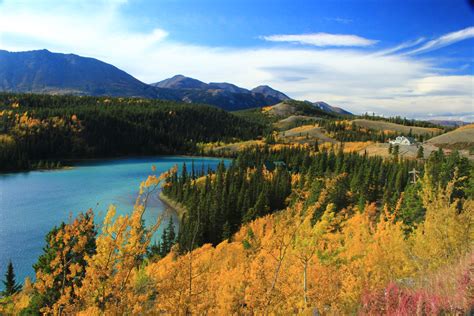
(309, 257)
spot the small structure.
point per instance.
(272, 165)
(415, 173)
(403, 140)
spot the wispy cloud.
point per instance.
(444, 40)
(321, 39)
(400, 47)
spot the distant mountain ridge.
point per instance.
(45, 72)
(180, 82)
(329, 108)
(42, 71)
(270, 92)
(223, 94)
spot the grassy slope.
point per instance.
(462, 135)
(305, 134)
(293, 120)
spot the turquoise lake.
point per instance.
(31, 203)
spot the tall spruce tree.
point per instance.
(420, 154)
(11, 287)
(396, 152)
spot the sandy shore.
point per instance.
(177, 207)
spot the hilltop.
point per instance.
(460, 138)
(289, 108)
(329, 108)
(388, 126)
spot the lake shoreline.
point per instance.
(73, 163)
(177, 207)
(32, 203)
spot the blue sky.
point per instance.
(409, 58)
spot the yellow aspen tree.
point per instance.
(308, 241)
(265, 292)
(387, 257)
(108, 285)
(357, 236)
(447, 232)
(228, 279)
(60, 271)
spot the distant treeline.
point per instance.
(353, 133)
(404, 121)
(49, 128)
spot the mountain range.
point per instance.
(42, 71)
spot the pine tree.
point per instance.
(171, 233)
(168, 238)
(164, 243)
(420, 154)
(11, 287)
(396, 152)
(226, 231)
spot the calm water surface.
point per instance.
(31, 203)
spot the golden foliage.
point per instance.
(356, 146)
(266, 108)
(112, 272)
(278, 264)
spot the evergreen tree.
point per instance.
(171, 232)
(411, 210)
(420, 154)
(11, 287)
(168, 238)
(396, 152)
(154, 250)
(164, 243)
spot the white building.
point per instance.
(402, 140)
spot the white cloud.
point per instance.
(89, 28)
(449, 85)
(445, 40)
(391, 84)
(322, 39)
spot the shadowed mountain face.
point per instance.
(222, 94)
(180, 82)
(45, 72)
(329, 108)
(270, 92)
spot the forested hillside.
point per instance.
(277, 231)
(218, 203)
(50, 129)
